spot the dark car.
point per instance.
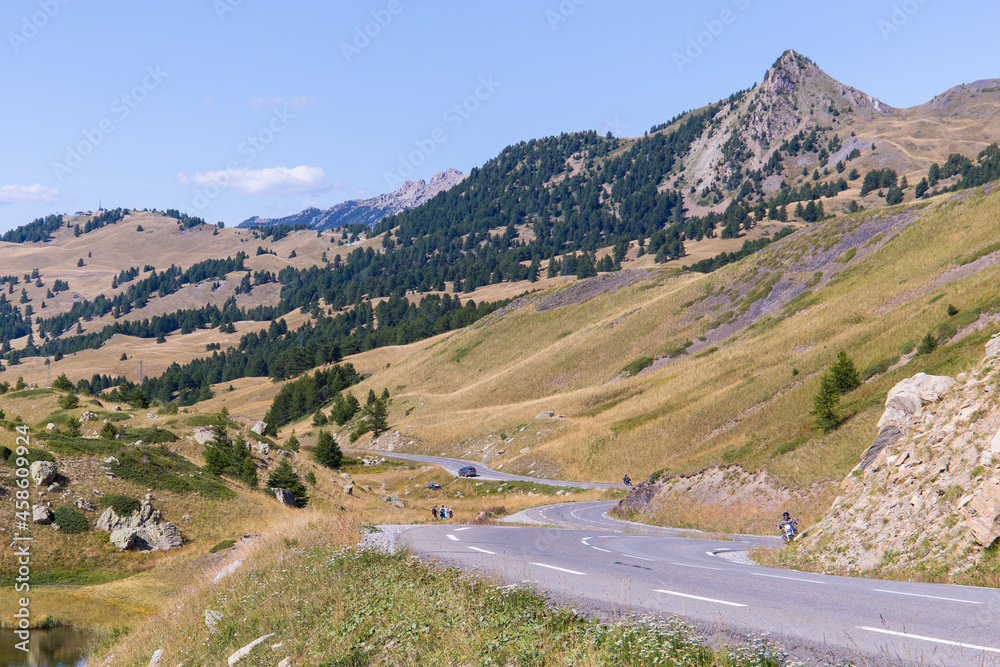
(467, 471)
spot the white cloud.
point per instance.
(27, 194)
(269, 181)
(271, 102)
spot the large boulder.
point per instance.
(42, 515)
(259, 428)
(204, 435)
(285, 497)
(983, 513)
(43, 473)
(123, 538)
(908, 397)
(89, 416)
(393, 500)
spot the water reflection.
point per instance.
(55, 647)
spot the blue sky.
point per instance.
(232, 108)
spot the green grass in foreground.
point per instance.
(335, 606)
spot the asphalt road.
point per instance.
(452, 466)
(624, 568)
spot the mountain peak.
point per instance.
(796, 76)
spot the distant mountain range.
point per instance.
(368, 211)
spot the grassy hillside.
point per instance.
(736, 354)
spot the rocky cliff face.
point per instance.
(368, 211)
(926, 494)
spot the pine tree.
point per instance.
(377, 417)
(109, 432)
(285, 478)
(927, 344)
(62, 383)
(327, 452)
(844, 374)
(292, 444)
(825, 404)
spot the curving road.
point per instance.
(622, 568)
(580, 555)
(452, 466)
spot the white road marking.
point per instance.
(607, 551)
(459, 530)
(483, 551)
(700, 567)
(584, 540)
(932, 597)
(560, 569)
(695, 597)
(946, 642)
(453, 538)
(651, 560)
(778, 576)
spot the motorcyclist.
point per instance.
(787, 520)
(627, 480)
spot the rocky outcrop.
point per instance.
(41, 515)
(259, 428)
(910, 396)
(928, 489)
(141, 529)
(285, 497)
(43, 473)
(204, 435)
(85, 505)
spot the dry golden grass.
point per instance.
(496, 376)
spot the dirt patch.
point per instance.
(725, 499)
(588, 289)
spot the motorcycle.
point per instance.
(627, 481)
(788, 531)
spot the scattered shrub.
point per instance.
(224, 544)
(70, 520)
(121, 504)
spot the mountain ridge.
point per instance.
(366, 211)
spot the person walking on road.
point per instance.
(434, 512)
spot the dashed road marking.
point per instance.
(651, 560)
(452, 538)
(559, 569)
(607, 551)
(459, 530)
(946, 642)
(483, 551)
(696, 597)
(932, 597)
(778, 576)
(699, 567)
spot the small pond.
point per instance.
(52, 647)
